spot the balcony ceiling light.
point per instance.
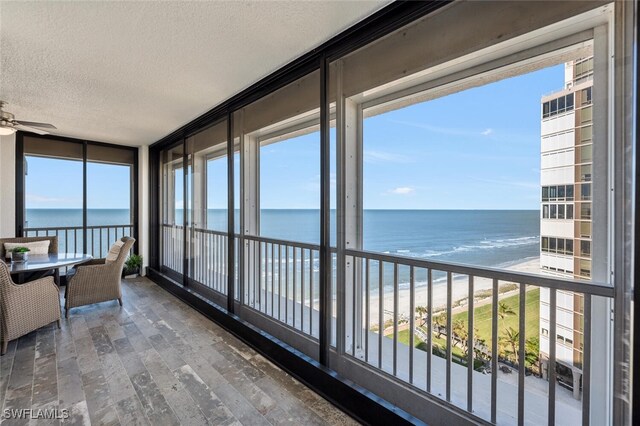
(6, 130)
(8, 124)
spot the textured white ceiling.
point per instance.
(132, 72)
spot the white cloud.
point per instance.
(402, 190)
(487, 132)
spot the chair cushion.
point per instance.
(114, 251)
(36, 247)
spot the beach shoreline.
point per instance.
(460, 293)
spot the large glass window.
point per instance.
(110, 180)
(53, 199)
(172, 233)
(54, 193)
(290, 188)
(207, 204)
(440, 161)
(441, 183)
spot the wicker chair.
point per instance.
(53, 249)
(26, 307)
(97, 281)
(53, 246)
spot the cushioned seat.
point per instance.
(98, 280)
(26, 307)
(52, 248)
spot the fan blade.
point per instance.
(30, 129)
(34, 124)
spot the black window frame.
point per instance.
(569, 192)
(569, 102)
(569, 251)
(20, 206)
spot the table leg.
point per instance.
(56, 276)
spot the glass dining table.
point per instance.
(47, 262)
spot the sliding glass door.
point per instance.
(195, 213)
(172, 232)
(207, 206)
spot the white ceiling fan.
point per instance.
(8, 124)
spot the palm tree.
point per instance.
(421, 312)
(532, 351)
(460, 331)
(504, 310)
(510, 339)
(440, 321)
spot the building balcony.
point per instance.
(384, 231)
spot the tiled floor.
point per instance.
(153, 361)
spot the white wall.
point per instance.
(7, 186)
(562, 228)
(557, 176)
(557, 141)
(565, 157)
(558, 261)
(558, 123)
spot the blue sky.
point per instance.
(52, 183)
(478, 149)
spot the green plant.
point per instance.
(421, 312)
(133, 262)
(510, 340)
(20, 250)
(504, 310)
(440, 321)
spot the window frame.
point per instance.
(20, 170)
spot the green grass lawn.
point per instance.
(482, 317)
(482, 320)
(403, 337)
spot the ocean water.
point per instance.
(477, 237)
(45, 218)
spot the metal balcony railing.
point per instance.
(377, 274)
(280, 281)
(283, 282)
(71, 238)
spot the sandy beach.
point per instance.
(460, 293)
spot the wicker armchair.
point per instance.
(53, 246)
(97, 281)
(53, 249)
(26, 307)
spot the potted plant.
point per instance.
(20, 254)
(132, 266)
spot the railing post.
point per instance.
(20, 186)
(231, 258)
(185, 209)
(325, 217)
(84, 197)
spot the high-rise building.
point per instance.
(565, 221)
